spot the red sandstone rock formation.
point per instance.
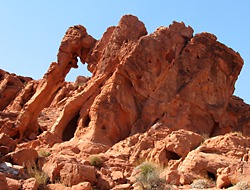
(76, 43)
(10, 86)
(166, 97)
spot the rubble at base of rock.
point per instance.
(165, 98)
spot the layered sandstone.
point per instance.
(166, 97)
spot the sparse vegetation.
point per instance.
(40, 176)
(43, 153)
(202, 183)
(96, 161)
(149, 176)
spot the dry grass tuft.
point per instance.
(40, 176)
(149, 176)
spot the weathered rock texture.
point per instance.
(10, 86)
(165, 97)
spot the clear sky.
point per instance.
(31, 31)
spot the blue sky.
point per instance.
(31, 31)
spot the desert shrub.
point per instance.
(34, 172)
(95, 160)
(149, 176)
(242, 185)
(202, 183)
(43, 153)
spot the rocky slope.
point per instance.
(165, 98)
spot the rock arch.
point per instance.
(75, 43)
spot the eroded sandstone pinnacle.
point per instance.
(147, 93)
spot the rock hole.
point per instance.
(172, 155)
(216, 126)
(103, 128)
(1, 76)
(40, 130)
(82, 70)
(86, 121)
(69, 131)
(211, 176)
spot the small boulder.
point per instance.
(182, 142)
(70, 171)
(5, 140)
(24, 156)
(75, 173)
(13, 184)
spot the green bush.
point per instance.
(96, 161)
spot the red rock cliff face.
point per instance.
(151, 96)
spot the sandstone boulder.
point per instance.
(182, 142)
(13, 184)
(24, 156)
(69, 171)
(73, 174)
